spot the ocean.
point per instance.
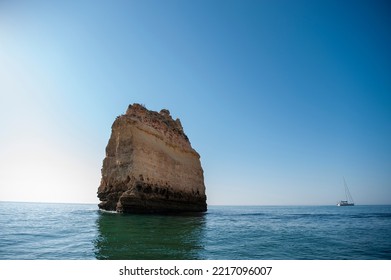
(80, 231)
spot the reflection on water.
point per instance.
(127, 237)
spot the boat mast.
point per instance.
(349, 197)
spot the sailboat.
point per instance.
(349, 199)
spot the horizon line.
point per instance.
(223, 205)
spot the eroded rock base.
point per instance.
(148, 198)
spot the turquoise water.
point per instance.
(76, 231)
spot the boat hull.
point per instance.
(345, 203)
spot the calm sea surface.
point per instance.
(76, 231)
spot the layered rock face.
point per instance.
(150, 166)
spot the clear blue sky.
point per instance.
(281, 98)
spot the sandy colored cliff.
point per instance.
(150, 166)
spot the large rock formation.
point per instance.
(150, 166)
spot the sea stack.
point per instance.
(150, 166)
